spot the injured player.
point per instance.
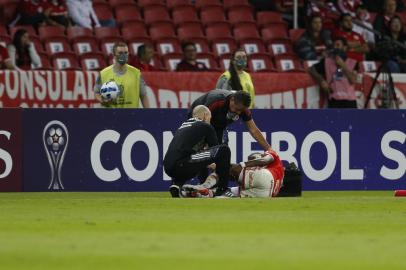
(259, 177)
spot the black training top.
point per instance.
(218, 102)
(191, 137)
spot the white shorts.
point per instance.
(256, 182)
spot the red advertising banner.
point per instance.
(74, 89)
(11, 149)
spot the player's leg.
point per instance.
(257, 183)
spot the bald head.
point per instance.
(202, 112)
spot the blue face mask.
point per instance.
(122, 58)
(241, 63)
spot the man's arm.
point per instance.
(143, 94)
(256, 134)
(319, 79)
(259, 162)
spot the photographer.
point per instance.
(336, 76)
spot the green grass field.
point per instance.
(321, 230)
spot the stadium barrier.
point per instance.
(122, 150)
(74, 89)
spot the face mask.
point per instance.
(122, 58)
(339, 52)
(241, 63)
(232, 116)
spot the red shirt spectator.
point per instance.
(145, 54)
(143, 66)
(348, 6)
(189, 62)
(326, 10)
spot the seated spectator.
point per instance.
(396, 55)
(336, 75)
(22, 51)
(189, 62)
(5, 61)
(348, 6)
(145, 54)
(362, 16)
(83, 14)
(58, 13)
(33, 12)
(356, 45)
(326, 10)
(314, 41)
(381, 22)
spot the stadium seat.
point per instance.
(76, 32)
(92, 61)
(9, 12)
(246, 32)
(252, 46)
(134, 43)
(265, 18)
(105, 32)
(218, 31)
(295, 34)
(134, 30)
(184, 15)
(56, 45)
(240, 14)
(224, 61)
(208, 3)
(30, 30)
(38, 44)
(162, 30)
(309, 63)
(368, 66)
(260, 63)
(45, 64)
(5, 40)
(171, 60)
(223, 46)
(115, 3)
(146, 3)
(211, 15)
(127, 14)
(174, 4)
(209, 60)
(103, 11)
(83, 45)
(274, 32)
(46, 32)
(228, 4)
(3, 30)
(280, 48)
(65, 61)
(288, 64)
(155, 14)
(190, 31)
(106, 44)
(168, 45)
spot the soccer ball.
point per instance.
(55, 138)
(109, 91)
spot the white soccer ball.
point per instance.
(109, 91)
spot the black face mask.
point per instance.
(338, 52)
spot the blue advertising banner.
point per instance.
(122, 150)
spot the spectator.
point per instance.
(314, 41)
(376, 5)
(362, 16)
(58, 13)
(381, 23)
(145, 54)
(336, 76)
(348, 6)
(5, 61)
(22, 51)
(82, 13)
(189, 62)
(326, 10)
(33, 12)
(236, 78)
(356, 45)
(396, 55)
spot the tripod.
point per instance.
(386, 90)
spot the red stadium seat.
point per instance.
(240, 14)
(192, 30)
(253, 46)
(208, 3)
(288, 64)
(218, 31)
(212, 15)
(235, 3)
(104, 32)
(184, 15)
(5, 40)
(127, 14)
(92, 61)
(106, 44)
(274, 32)
(223, 46)
(65, 61)
(246, 32)
(115, 3)
(260, 63)
(46, 32)
(30, 30)
(83, 45)
(103, 11)
(162, 30)
(57, 45)
(134, 43)
(156, 14)
(134, 30)
(368, 66)
(295, 34)
(45, 64)
(209, 60)
(3, 30)
(264, 18)
(146, 3)
(171, 60)
(10, 12)
(76, 32)
(280, 48)
(168, 45)
(174, 4)
(224, 61)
